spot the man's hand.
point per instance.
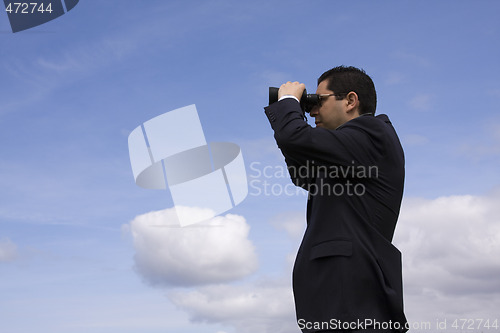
(292, 89)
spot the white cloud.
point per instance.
(8, 250)
(265, 307)
(451, 247)
(214, 251)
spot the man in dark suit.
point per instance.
(347, 275)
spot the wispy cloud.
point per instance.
(393, 78)
(412, 58)
(8, 250)
(494, 129)
(494, 92)
(36, 74)
(421, 102)
(292, 223)
(414, 140)
(484, 145)
(478, 151)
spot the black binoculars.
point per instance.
(307, 101)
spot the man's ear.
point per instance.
(352, 102)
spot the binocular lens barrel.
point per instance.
(307, 101)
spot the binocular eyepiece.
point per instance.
(307, 101)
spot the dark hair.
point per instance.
(344, 79)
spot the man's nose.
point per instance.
(314, 111)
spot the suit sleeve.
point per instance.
(302, 144)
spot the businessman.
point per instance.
(347, 275)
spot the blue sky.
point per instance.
(71, 215)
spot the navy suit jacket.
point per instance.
(347, 271)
